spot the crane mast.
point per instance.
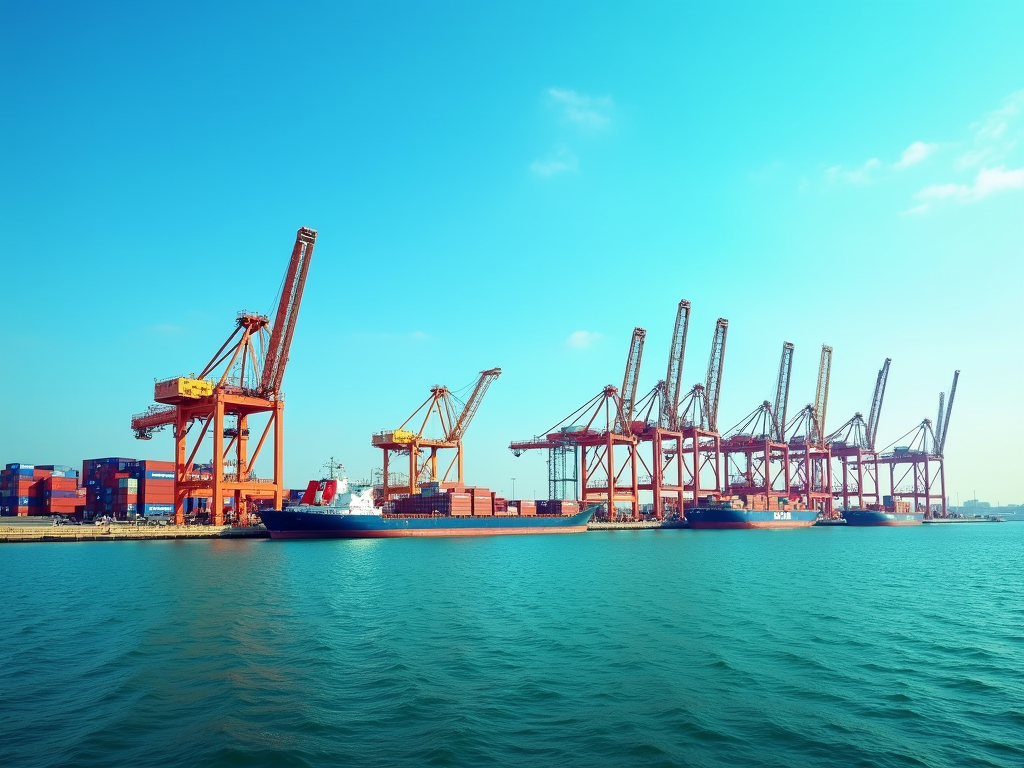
(782, 393)
(469, 411)
(714, 380)
(876, 404)
(821, 392)
(949, 410)
(669, 416)
(624, 417)
(287, 313)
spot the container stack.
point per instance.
(38, 489)
(155, 486)
(526, 508)
(482, 502)
(123, 488)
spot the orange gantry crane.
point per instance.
(242, 379)
(854, 457)
(452, 416)
(600, 433)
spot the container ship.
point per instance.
(750, 511)
(888, 513)
(336, 509)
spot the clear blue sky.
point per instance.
(512, 184)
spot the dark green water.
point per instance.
(817, 647)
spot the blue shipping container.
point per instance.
(157, 509)
(159, 475)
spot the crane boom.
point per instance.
(949, 410)
(782, 393)
(669, 416)
(938, 420)
(469, 411)
(876, 404)
(714, 381)
(287, 313)
(636, 349)
(821, 392)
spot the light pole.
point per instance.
(513, 487)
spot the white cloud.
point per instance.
(862, 175)
(582, 339)
(916, 210)
(989, 181)
(916, 153)
(562, 161)
(997, 134)
(592, 112)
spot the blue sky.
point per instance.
(515, 185)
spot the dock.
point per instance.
(125, 532)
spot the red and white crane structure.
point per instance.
(242, 379)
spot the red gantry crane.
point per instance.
(701, 457)
(657, 424)
(852, 448)
(452, 417)
(912, 465)
(241, 380)
(601, 429)
(755, 451)
(810, 463)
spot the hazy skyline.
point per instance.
(517, 186)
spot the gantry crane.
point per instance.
(913, 457)
(600, 430)
(810, 471)
(852, 448)
(658, 426)
(697, 419)
(453, 418)
(251, 365)
(755, 452)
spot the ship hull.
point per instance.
(870, 517)
(726, 517)
(306, 525)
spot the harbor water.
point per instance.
(810, 647)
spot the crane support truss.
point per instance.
(442, 410)
(217, 414)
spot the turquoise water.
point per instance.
(815, 647)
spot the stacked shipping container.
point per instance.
(39, 489)
(123, 488)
